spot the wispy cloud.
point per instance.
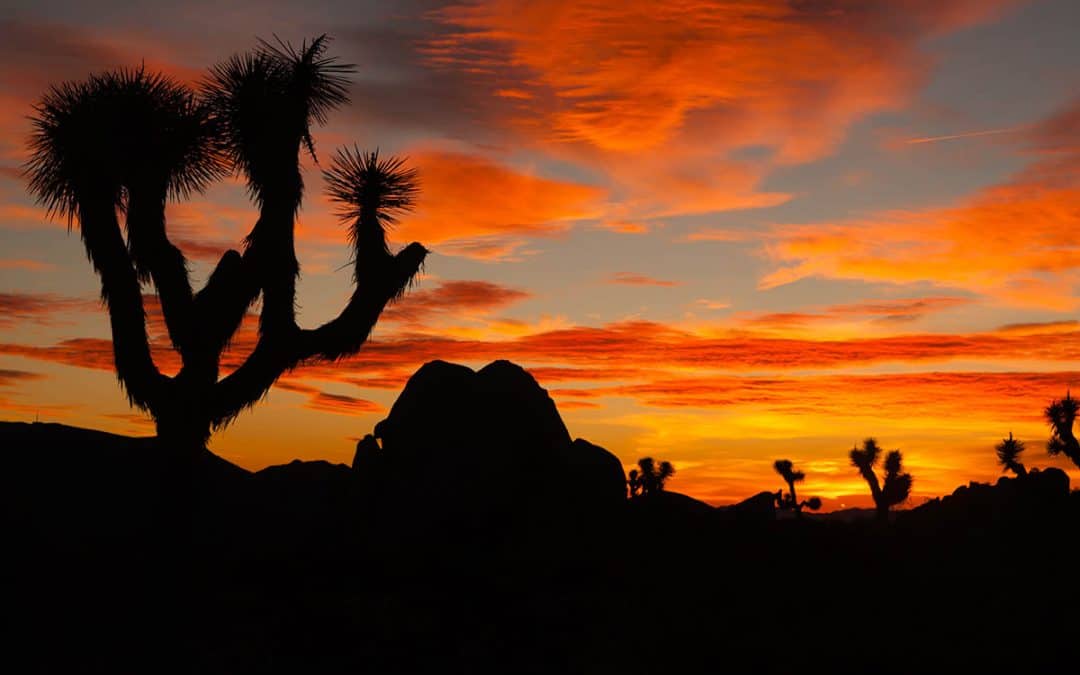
(964, 134)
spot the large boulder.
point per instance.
(482, 450)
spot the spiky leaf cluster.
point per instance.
(650, 477)
(1061, 414)
(105, 135)
(266, 101)
(897, 485)
(787, 471)
(865, 458)
(363, 184)
(1008, 454)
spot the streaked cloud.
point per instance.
(635, 279)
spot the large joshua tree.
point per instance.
(896, 487)
(109, 151)
(1060, 415)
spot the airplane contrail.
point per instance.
(967, 134)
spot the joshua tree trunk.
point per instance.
(794, 498)
(881, 507)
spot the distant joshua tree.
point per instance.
(790, 501)
(1008, 454)
(897, 485)
(649, 478)
(108, 152)
(1061, 414)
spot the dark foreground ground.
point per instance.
(296, 570)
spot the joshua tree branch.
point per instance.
(347, 332)
(277, 352)
(156, 256)
(120, 289)
(224, 301)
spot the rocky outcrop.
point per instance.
(485, 448)
(1038, 494)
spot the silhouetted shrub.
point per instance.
(649, 478)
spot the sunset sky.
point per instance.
(718, 233)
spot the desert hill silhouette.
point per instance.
(473, 534)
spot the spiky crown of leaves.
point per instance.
(106, 133)
(359, 180)
(116, 130)
(266, 100)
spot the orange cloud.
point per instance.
(631, 350)
(631, 75)
(1014, 242)
(470, 201)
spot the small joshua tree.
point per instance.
(790, 501)
(1008, 454)
(897, 484)
(116, 146)
(1061, 414)
(649, 478)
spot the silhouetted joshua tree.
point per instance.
(897, 485)
(649, 478)
(1008, 454)
(118, 145)
(790, 501)
(1061, 414)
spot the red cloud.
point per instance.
(632, 350)
(451, 297)
(633, 279)
(630, 75)
(39, 308)
(10, 377)
(342, 405)
(879, 311)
